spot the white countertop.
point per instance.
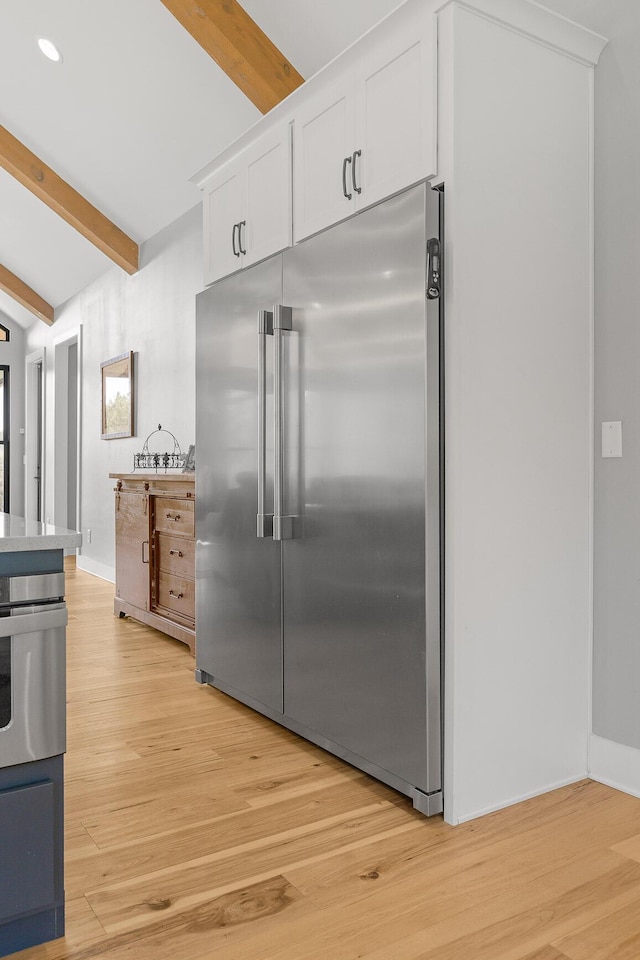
(16, 533)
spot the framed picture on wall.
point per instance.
(190, 462)
(117, 397)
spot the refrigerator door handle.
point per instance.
(264, 521)
(282, 525)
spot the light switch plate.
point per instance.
(612, 438)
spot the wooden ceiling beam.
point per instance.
(42, 181)
(28, 298)
(238, 45)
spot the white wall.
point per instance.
(153, 314)
(12, 353)
(615, 743)
(616, 664)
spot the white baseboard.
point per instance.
(525, 796)
(614, 764)
(96, 568)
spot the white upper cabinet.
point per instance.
(223, 206)
(324, 130)
(247, 206)
(372, 132)
(396, 113)
(268, 196)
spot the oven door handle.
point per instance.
(19, 623)
(34, 588)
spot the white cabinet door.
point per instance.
(247, 206)
(268, 196)
(395, 112)
(323, 147)
(373, 132)
(223, 206)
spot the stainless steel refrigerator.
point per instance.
(318, 508)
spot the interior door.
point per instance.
(238, 574)
(354, 573)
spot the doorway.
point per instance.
(35, 436)
(66, 457)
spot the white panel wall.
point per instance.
(516, 163)
(153, 314)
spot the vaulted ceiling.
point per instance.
(96, 151)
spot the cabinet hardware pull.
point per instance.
(243, 223)
(176, 596)
(344, 177)
(356, 153)
(169, 517)
(176, 553)
(236, 226)
(142, 545)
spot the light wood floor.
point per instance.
(196, 829)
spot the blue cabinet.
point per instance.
(31, 854)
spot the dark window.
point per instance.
(4, 438)
(5, 681)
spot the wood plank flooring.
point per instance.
(196, 829)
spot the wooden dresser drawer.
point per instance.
(177, 594)
(176, 555)
(175, 517)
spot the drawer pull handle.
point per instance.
(176, 596)
(169, 517)
(176, 553)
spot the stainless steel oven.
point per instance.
(33, 618)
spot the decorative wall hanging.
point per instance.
(117, 397)
(160, 461)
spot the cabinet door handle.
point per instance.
(169, 517)
(142, 545)
(176, 553)
(236, 252)
(356, 153)
(243, 223)
(344, 177)
(176, 596)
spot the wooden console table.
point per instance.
(155, 551)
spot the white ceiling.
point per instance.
(135, 108)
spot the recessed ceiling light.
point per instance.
(50, 50)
